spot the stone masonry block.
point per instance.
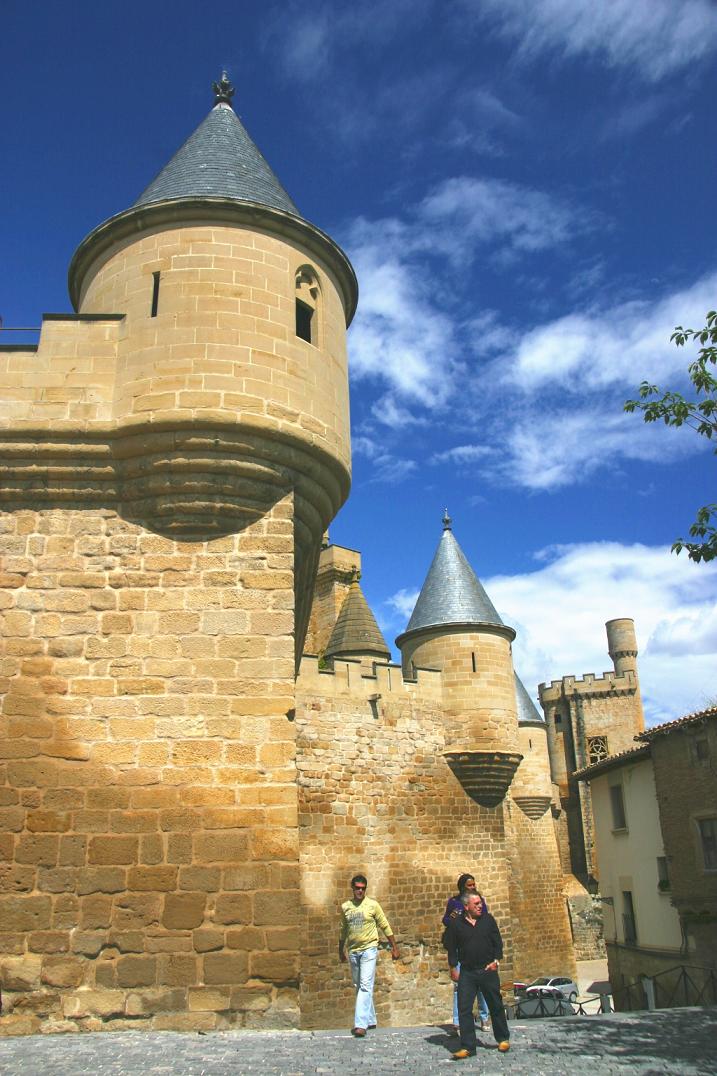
(183, 911)
(225, 968)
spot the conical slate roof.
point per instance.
(356, 630)
(452, 593)
(527, 710)
(219, 160)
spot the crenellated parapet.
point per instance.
(589, 685)
(348, 677)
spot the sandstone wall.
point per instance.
(375, 795)
(148, 818)
(540, 923)
(542, 938)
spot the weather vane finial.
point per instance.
(446, 520)
(223, 90)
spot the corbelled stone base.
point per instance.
(484, 775)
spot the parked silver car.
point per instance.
(544, 1001)
(567, 987)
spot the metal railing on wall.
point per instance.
(669, 989)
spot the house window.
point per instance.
(597, 748)
(617, 803)
(558, 719)
(663, 878)
(708, 839)
(700, 748)
(629, 926)
(307, 300)
(473, 660)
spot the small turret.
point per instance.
(622, 644)
(356, 633)
(456, 629)
(229, 391)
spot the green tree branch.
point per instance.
(699, 413)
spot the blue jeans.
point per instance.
(482, 1005)
(363, 973)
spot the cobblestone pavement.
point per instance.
(682, 1041)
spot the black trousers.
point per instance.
(470, 982)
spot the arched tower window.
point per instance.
(307, 304)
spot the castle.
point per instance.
(203, 735)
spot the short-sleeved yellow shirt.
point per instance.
(360, 924)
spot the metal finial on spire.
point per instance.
(223, 90)
(447, 521)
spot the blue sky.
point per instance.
(526, 191)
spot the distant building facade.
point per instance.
(655, 823)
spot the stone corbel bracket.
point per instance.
(485, 776)
(533, 806)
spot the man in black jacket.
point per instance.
(474, 941)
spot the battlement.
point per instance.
(349, 677)
(609, 683)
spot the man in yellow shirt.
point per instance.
(361, 919)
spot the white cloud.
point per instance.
(385, 467)
(650, 38)
(403, 603)
(547, 450)
(463, 454)
(481, 211)
(309, 39)
(404, 333)
(400, 335)
(559, 611)
(622, 345)
(479, 122)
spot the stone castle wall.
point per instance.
(540, 923)
(147, 780)
(376, 796)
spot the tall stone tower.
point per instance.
(455, 628)
(173, 453)
(589, 718)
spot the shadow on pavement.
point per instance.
(665, 1036)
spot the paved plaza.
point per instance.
(675, 1041)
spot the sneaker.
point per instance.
(484, 1025)
(461, 1055)
(504, 1047)
(359, 1032)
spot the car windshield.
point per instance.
(540, 982)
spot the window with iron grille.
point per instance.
(597, 748)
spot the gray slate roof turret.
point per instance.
(527, 710)
(356, 631)
(219, 160)
(452, 593)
